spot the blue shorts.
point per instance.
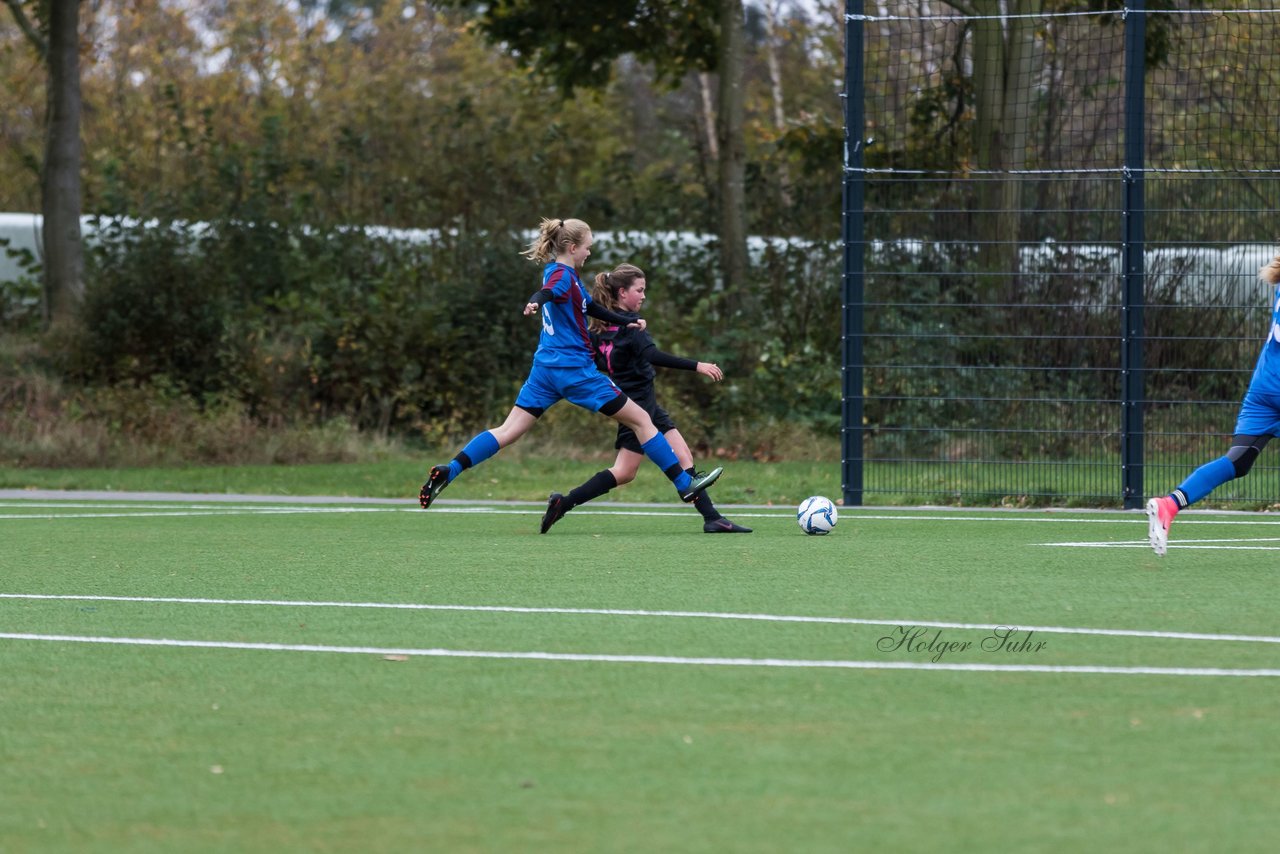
(583, 386)
(1259, 415)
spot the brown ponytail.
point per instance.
(607, 286)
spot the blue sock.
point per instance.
(1207, 478)
(479, 449)
(658, 450)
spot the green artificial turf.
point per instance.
(397, 747)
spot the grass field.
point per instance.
(529, 476)
(243, 676)
(514, 476)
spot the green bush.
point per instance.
(427, 338)
(424, 339)
(153, 307)
(20, 304)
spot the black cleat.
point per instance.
(436, 482)
(723, 526)
(557, 506)
(701, 482)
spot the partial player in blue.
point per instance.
(627, 354)
(564, 368)
(1258, 421)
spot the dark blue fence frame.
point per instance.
(1132, 241)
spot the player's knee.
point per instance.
(1242, 459)
(624, 472)
(1243, 464)
(637, 419)
(505, 435)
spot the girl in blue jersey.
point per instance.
(627, 354)
(564, 368)
(1258, 421)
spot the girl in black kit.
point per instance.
(628, 356)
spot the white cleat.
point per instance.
(1160, 512)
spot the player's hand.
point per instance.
(639, 324)
(707, 369)
(531, 308)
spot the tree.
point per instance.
(575, 46)
(730, 61)
(1007, 52)
(55, 35)
(775, 91)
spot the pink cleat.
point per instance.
(1160, 513)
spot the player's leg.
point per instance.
(600, 394)
(713, 521)
(1204, 480)
(1235, 463)
(622, 471)
(658, 450)
(482, 446)
(676, 440)
(593, 390)
(535, 397)
(1258, 421)
(626, 466)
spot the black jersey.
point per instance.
(628, 355)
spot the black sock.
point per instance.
(595, 486)
(704, 505)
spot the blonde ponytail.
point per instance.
(555, 236)
(1270, 273)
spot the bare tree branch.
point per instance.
(963, 8)
(24, 23)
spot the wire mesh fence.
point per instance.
(1059, 219)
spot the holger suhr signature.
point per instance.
(919, 639)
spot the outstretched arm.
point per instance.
(667, 360)
(601, 313)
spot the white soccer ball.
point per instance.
(817, 515)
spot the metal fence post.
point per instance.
(851, 438)
(1131, 368)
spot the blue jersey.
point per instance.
(1266, 376)
(565, 342)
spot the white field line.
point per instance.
(185, 505)
(627, 612)
(143, 508)
(153, 510)
(142, 513)
(1207, 544)
(149, 511)
(262, 511)
(655, 659)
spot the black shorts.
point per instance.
(647, 401)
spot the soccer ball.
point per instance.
(816, 515)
